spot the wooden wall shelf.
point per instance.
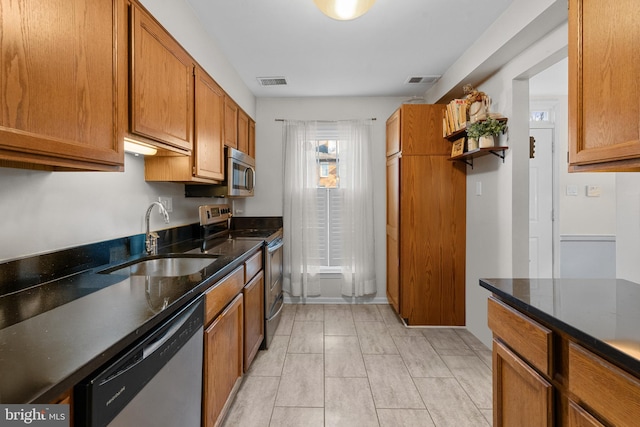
(468, 156)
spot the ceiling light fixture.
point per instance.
(344, 10)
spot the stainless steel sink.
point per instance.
(172, 266)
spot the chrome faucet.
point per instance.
(151, 241)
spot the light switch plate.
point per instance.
(572, 190)
(167, 202)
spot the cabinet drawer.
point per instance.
(603, 387)
(526, 337)
(252, 266)
(220, 294)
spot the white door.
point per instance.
(541, 205)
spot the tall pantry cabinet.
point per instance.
(426, 219)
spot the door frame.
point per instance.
(550, 105)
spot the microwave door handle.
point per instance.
(250, 178)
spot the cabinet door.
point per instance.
(222, 361)
(578, 417)
(253, 318)
(432, 240)
(604, 96)
(393, 133)
(161, 85)
(243, 132)
(63, 79)
(252, 138)
(393, 226)
(230, 123)
(209, 148)
(521, 396)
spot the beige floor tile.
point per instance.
(286, 323)
(421, 359)
(366, 312)
(399, 330)
(486, 356)
(344, 366)
(342, 345)
(307, 337)
(391, 383)
(375, 339)
(471, 340)
(310, 312)
(474, 377)
(302, 381)
(253, 404)
(488, 414)
(339, 322)
(404, 418)
(269, 363)
(389, 315)
(342, 357)
(290, 308)
(448, 403)
(297, 417)
(349, 403)
(343, 307)
(447, 342)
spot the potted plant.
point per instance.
(485, 131)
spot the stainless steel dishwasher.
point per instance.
(158, 382)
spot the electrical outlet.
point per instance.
(167, 202)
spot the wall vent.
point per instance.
(421, 79)
(272, 81)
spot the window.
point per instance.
(329, 203)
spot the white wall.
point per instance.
(47, 211)
(269, 168)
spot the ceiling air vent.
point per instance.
(272, 81)
(421, 79)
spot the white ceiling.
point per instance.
(369, 56)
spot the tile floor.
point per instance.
(357, 365)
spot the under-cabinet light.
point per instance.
(137, 148)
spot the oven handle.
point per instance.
(280, 301)
(277, 244)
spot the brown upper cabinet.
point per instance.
(206, 164)
(162, 85)
(63, 80)
(230, 123)
(243, 132)
(252, 138)
(410, 132)
(604, 95)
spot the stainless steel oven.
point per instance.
(217, 223)
(273, 299)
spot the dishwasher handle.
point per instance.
(158, 342)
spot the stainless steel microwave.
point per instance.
(239, 178)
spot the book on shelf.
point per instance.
(455, 116)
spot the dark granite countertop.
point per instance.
(603, 315)
(55, 334)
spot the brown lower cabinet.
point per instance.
(234, 330)
(253, 293)
(542, 377)
(223, 346)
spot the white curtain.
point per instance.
(302, 227)
(301, 251)
(356, 178)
